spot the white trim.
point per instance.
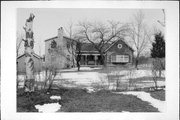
(119, 46)
(91, 54)
(120, 58)
(111, 46)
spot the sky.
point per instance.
(48, 20)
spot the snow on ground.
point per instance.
(134, 73)
(48, 108)
(90, 89)
(82, 69)
(88, 78)
(55, 97)
(147, 97)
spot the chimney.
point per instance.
(60, 41)
(60, 32)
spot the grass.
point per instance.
(103, 101)
(78, 100)
(160, 95)
(26, 101)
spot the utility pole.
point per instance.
(29, 62)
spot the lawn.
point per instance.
(160, 95)
(74, 88)
(78, 100)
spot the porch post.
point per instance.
(85, 59)
(95, 59)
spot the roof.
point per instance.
(34, 54)
(57, 37)
(121, 41)
(89, 47)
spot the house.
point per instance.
(118, 52)
(58, 52)
(21, 68)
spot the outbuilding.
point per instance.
(21, 68)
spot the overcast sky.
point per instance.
(48, 20)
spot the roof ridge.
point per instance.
(36, 55)
(57, 37)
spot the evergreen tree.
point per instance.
(158, 50)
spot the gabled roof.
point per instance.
(57, 37)
(118, 41)
(89, 47)
(50, 38)
(34, 54)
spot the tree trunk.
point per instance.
(78, 65)
(136, 62)
(102, 59)
(29, 62)
(78, 62)
(78, 59)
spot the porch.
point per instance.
(90, 59)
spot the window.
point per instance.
(113, 58)
(119, 46)
(120, 58)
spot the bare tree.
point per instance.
(139, 35)
(50, 68)
(164, 19)
(50, 74)
(100, 34)
(71, 48)
(79, 43)
(156, 66)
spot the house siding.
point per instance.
(21, 68)
(124, 50)
(62, 58)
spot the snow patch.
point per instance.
(90, 89)
(48, 108)
(89, 78)
(82, 68)
(147, 97)
(55, 97)
(83, 78)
